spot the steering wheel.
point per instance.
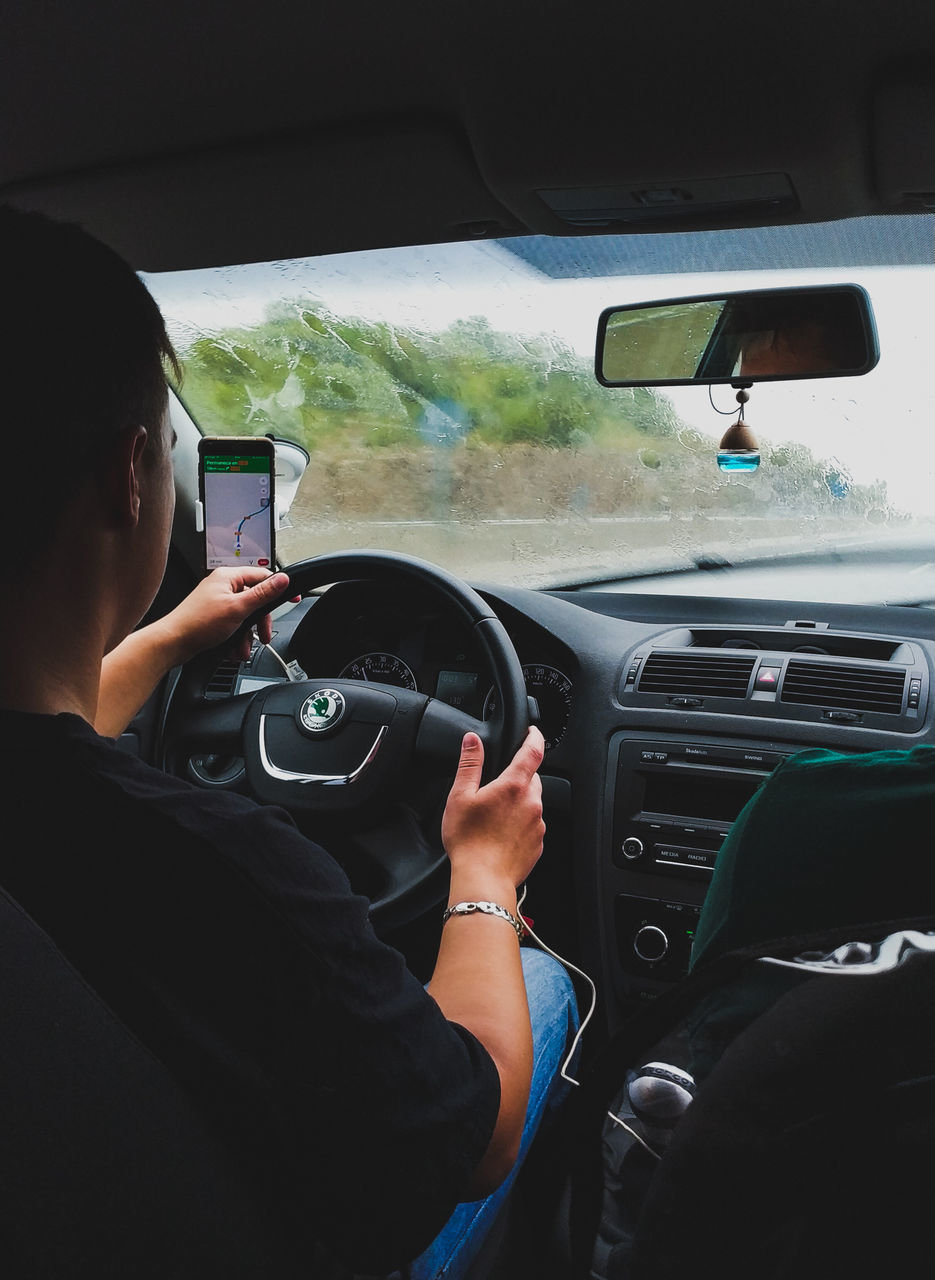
(345, 749)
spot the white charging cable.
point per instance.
(566, 964)
(294, 672)
(572, 968)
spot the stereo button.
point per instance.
(650, 943)
(632, 847)
(760, 759)
(679, 855)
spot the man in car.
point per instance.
(786, 337)
(365, 1106)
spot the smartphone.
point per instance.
(235, 486)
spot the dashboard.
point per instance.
(662, 716)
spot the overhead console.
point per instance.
(798, 672)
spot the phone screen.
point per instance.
(237, 493)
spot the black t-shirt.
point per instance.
(235, 949)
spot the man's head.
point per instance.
(799, 337)
(83, 356)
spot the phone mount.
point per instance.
(291, 461)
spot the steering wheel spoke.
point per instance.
(442, 730)
(215, 726)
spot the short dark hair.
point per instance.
(84, 351)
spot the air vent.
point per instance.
(711, 675)
(221, 684)
(836, 684)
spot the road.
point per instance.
(541, 552)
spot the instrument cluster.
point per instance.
(375, 632)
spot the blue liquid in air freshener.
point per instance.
(735, 460)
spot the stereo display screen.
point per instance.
(717, 799)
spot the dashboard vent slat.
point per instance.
(221, 683)
(851, 688)
(704, 675)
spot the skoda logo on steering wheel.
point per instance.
(322, 710)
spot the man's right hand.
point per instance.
(213, 612)
(496, 828)
(217, 607)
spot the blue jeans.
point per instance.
(554, 1016)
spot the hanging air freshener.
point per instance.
(739, 450)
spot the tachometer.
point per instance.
(383, 668)
(551, 689)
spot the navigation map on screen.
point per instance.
(238, 519)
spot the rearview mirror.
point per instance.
(824, 331)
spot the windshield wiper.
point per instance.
(710, 562)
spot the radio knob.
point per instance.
(650, 943)
(632, 847)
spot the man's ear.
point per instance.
(123, 476)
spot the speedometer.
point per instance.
(551, 689)
(382, 668)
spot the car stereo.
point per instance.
(674, 803)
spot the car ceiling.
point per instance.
(206, 133)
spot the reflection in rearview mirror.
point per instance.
(740, 338)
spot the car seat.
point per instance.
(107, 1167)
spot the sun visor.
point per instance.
(404, 182)
(904, 161)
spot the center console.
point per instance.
(674, 802)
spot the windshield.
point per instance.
(447, 398)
